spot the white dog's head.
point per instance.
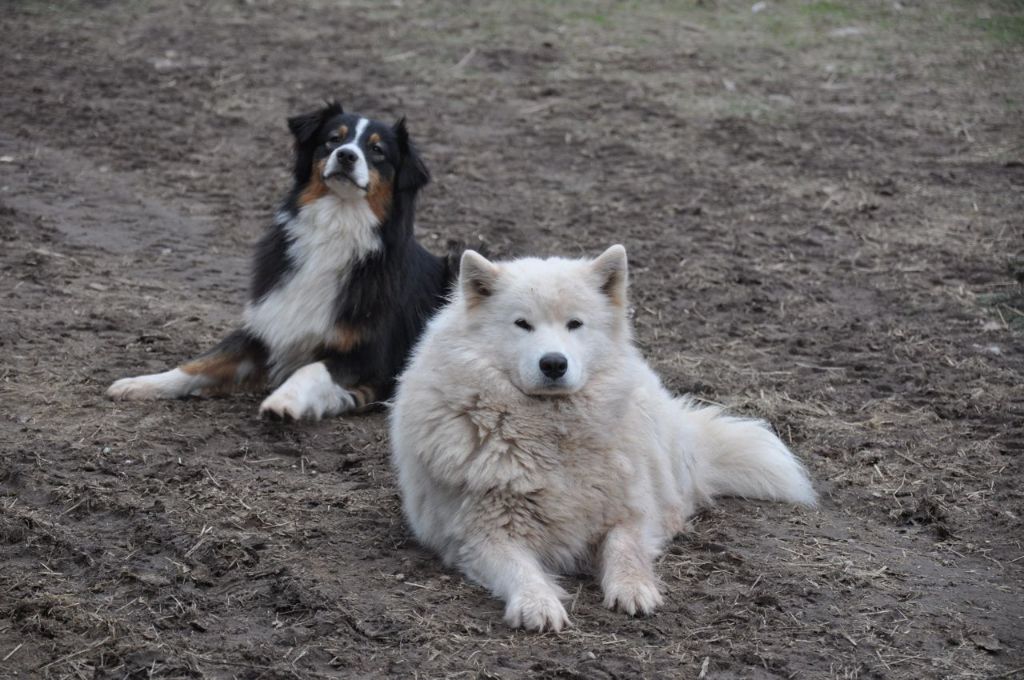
(549, 325)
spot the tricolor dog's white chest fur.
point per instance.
(328, 237)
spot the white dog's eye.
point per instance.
(574, 324)
(524, 324)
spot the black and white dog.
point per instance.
(340, 289)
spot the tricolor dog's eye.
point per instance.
(524, 324)
(574, 324)
(333, 139)
(376, 148)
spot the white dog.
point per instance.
(531, 438)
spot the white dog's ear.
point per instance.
(477, 277)
(612, 273)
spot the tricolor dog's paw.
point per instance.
(536, 609)
(309, 394)
(167, 385)
(633, 596)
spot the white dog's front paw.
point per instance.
(311, 393)
(633, 596)
(536, 609)
(167, 385)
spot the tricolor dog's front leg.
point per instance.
(309, 393)
(316, 391)
(237, 361)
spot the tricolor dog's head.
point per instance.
(548, 325)
(354, 158)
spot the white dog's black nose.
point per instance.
(554, 365)
(346, 159)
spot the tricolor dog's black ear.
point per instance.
(305, 125)
(412, 173)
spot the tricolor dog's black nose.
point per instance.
(553, 365)
(346, 159)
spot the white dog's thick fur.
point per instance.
(515, 471)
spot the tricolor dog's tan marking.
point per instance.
(317, 187)
(365, 397)
(378, 195)
(346, 338)
(226, 372)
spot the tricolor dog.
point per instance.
(340, 287)
(531, 439)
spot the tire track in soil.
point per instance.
(95, 208)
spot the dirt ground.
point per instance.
(822, 203)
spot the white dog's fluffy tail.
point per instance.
(740, 457)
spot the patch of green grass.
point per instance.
(1008, 5)
(839, 10)
(1005, 28)
(595, 17)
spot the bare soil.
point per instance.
(822, 202)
